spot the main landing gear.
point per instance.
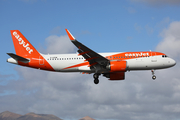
(153, 77)
(96, 78)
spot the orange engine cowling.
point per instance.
(117, 66)
(115, 76)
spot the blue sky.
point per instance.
(104, 26)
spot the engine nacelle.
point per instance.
(115, 76)
(117, 66)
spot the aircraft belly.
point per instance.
(60, 65)
(84, 69)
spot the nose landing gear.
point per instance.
(96, 78)
(153, 77)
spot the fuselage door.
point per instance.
(153, 57)
(41, 60)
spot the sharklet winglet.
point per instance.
(71, 37)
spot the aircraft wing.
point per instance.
(96, 61)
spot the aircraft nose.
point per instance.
(173, 62)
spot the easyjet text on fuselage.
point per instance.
(137, 54)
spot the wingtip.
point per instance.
(71, 37)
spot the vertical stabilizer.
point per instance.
(22, 46)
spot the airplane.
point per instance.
(112, 65)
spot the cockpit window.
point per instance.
(164, 56)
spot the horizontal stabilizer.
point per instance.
(18, 58)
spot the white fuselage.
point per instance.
(63, 62)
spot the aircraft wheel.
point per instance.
(96, 81)
(153, 77)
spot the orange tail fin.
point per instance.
(22, 46)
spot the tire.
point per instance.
(96, 81)
(153, 77)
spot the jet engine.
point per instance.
(117, 70)
(117, 66)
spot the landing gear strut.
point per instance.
(153, 77)
(96, 76)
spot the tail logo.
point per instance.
(21, 42)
